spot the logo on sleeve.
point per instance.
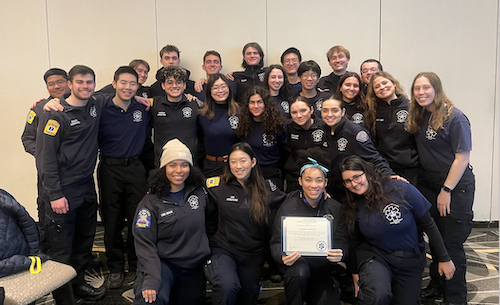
(317, 135)
(194, 202)
(51, 127)
(401, 116)
(357, 118)
(342, 144)
(362, 136)
(430, 133)
(285, 106)
(143, 219)
(392, 214)
(214, 181)
(93, 111)
(187, 112)
(233, 122)
(199, 102)
(31, 117)
(137, 116)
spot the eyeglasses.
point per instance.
(355, 178)
(221, 87)
(312, 75)
(374, 69)
(293, 60)
(174, 83)
(59, 83)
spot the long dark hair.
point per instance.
(285, 90)
(359, 100)
(376, 197)
(255, 186)
(208, 109)
(159, 184)
(272, 119)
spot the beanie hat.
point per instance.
(175, 150)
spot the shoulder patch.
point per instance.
(362, 136)
(51, 127)
(151, 100)
(143, 219)
(214, 181)
(31, 117)
(272, 185)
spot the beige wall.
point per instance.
(459, 40)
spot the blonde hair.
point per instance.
(444, 106)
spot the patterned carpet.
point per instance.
(482, 274)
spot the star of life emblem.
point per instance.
(317, 135)
(137, 116)
(187, 112)
(357, 118)
(392, 214)
(285, 106)
(342, 144)
(233, 121)
(93, 111)
(194, 202)
(268, 141)
(430, 133)
(318, 104)
(401, 116)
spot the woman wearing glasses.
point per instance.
(385, 217)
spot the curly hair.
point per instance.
(359, 100)
(159, 184)
(286, 89)
(376, 196)
(273, 120)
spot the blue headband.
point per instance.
(314, 164)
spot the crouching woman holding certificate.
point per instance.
(309, 237)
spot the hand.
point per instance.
(355, 279)
(146, 102)
(54, 104)
(326, 195)
(443, 203)
(36, 102)
(398, 177)
(190, 97)
(149, 295)
(198, 86)
(290, 259)
(447, 269)
(230, 76)
(60, 206)
(335, 255)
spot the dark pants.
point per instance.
(70, 236)
(122, 184)
(454, 228)
(235, 278)
(41, 202)
(310, 279)
(178, 286)
(389, 278)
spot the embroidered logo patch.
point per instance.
(357, 118)
(268, 141)
(137, 116)
(143, 219)
(51, 127)
(317, 135)
(233, 121)
(392, 214)
(285, 106)
(161, 113)
(194, 202)
(362, 136)
(31, 117)
(214, 181)
(401, 116)
(342, 144)
(272, 185)
(430, 133)
(187, 112)
(318, 104)
(93, 111)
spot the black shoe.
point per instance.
(115, 280)
(431, 293)
(276, 278)
(88, 292)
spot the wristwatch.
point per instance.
(446, 189)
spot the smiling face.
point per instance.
(313, 183)
(143, 72)
(276, 80)
(355, 181)
(57, 86)
(212, 65)
(291, 63)
(82, 86)
(350, 88)
(424, 93)
(170, 59)
(241, 165)
(384, 89)
(126, 86)
(174, 89)
(332, 112)
(256, 106)
(252, 56)
(220, 91)
(177, 172)
(301, 114)
(367, 71)
(309, 80)
(338, 61)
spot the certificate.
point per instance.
(309, 236)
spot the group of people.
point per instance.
(233, 154)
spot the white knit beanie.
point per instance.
(175, 150)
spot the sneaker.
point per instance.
(115, 280)
(88, 292)
(431, 293)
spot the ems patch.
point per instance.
(31, 117)
(317, 135)
(194, 202)
(51, 127)
(143, 219)
(362, 136)
(272, 185)
(137, 116)
(93, 111)
(151, 101)
(401, 116)
(357, 118)
(342, 144)
(285, 106)
(199, 102)
(393, 214)
(214, 181)
(261, 76)
(233, 121)
(187, 112)
(318, 104)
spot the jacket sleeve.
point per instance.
(369, 153)
(275, 243)
(146, 239)
(30, 128)
(341, 235)
(49, 134)
(427, 223)
(355, 240)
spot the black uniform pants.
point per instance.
(310, 279)
(178, 286)
(41, 202)
(70, 236)
(454, 228)
(234, 277)
(122, 184)
(389, 278)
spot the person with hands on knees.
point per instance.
(385, 217)
(309, 278)
(169, 230)
(444, 141)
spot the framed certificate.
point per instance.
(309, 236)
